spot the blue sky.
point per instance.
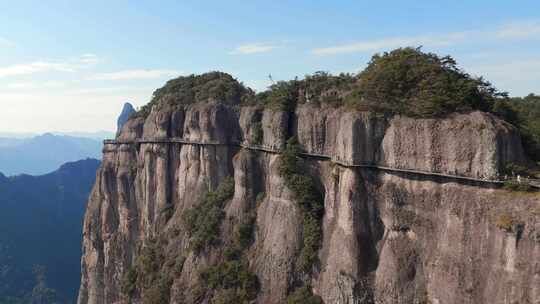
(70, 65)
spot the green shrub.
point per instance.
(257, 133)
(230, 280)
(505, 222)
(209, 87)
(159, 291)
(149, 263)
(244, 233)
(133, 168)
(280, 96)
(514, 185)
(308, 199)
(319, 88)
(242, 238)
(304, 295)
(260, 197)
(204, 220)
(167, 212)
(524, 115)
(512, 169)
(128, 283)
(324, 88)
(149, 275)
(233, 277)
(410, 82)
(312, 234)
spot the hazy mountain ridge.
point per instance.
(40, 224)
(44, 153)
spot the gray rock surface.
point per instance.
(387, 238)
(127, 110)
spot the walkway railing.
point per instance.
(266, 149)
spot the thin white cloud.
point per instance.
(35, 85)
(6, 42)
(70, 65)
(34, 67)
(253, 48)
(135, 75)
(388, 43)
(521, 30)
(89, 59)
(112, 89)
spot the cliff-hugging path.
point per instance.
(533, 183)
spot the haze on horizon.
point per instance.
(69, 67)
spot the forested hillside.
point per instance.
(40, 233)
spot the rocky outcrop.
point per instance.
(476, 145)
(127, 110)
(387, 237)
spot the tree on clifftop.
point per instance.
(410, 82)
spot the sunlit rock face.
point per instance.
(387, 237)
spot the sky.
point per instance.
(68, 66)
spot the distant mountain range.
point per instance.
(45, 153)
(99, 135)
(41, 224)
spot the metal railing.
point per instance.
(532, 182)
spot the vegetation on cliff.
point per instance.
(524, 113)
(308, 200)
(154, 269)
(303, 295)
(404, 81)
(230, 280)
(411, 82)
(203, 221)
(151, 276)
(319, 88)
(310, 203)
(209, 87)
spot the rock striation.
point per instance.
(387, 237)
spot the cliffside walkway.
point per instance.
(266, 149)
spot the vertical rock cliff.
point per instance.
(387, 236)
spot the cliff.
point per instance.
(387, 236)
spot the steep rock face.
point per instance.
(387, 237)
(476, 145)
(441, 243)
(348, 136)
(127, 110)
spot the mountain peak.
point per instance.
(127, 110)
